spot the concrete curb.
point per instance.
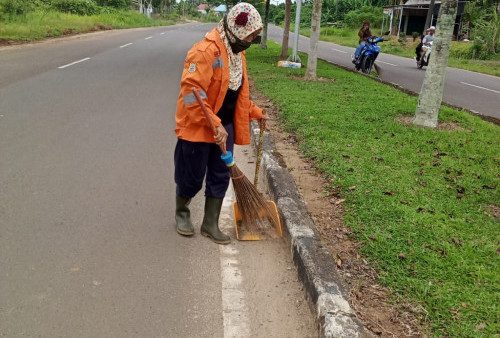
(323, 285)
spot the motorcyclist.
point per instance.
(364, 33)
(426, 41)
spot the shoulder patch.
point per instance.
(192, 67)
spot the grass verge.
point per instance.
(40, 24)
(349, 38)
(424, 203)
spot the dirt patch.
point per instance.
(319, 79)
(375, 306)
(447, 125)
(494, 210)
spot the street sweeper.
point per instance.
(216, 68)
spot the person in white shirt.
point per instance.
(429, 37)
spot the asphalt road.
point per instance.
(88, 246)
(476, 92)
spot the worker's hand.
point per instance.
(221, 137)
(264, 118)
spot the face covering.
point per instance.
(238, 45)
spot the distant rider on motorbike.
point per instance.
(364, 33)
(428, 38)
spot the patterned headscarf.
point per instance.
(242, 20)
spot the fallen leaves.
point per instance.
(481, 326)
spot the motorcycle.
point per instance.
(368, 55)
(425, 55)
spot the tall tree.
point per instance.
(312, 60)
(286, 30)
(431, 93)
(263, 41)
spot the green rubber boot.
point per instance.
(210, 226)
(183, 216)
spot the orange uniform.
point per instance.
(207, 69)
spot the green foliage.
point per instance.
(210, 17)
(17, 7)
(415, 36)
(477, 49)
(78, 7)
(38, 24)
(120, 4)
(420, 201)
(402, 39)
(184, 8)
(488, 30)
(355, 19)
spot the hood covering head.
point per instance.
(241, 21)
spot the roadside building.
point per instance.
(410, 17)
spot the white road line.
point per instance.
(128, 44)
(162, 33)
(491, 90)
(234, 309)
(387, 63)
(149, 37)
(73, 63)
(338, 50)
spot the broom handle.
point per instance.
(207, 114)
(262, 125)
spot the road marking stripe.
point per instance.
(387, 63)
(491, 90)
(128, 44)
(338, 50)
(234, 309)
(162, 33)
(149, 37)
(73, 63)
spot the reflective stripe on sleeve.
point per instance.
(218, 63)
(190, 98)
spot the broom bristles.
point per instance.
(256, 213)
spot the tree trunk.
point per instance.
(312, 60)
(263, 41)
(431, 93)
(428, 22)
(286, 31)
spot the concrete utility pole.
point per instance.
(294, 57)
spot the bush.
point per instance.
(355, 19)
(113, 3)
(478, 50)
(17, 7)
(415, 35)
(78, 7)
(402, 39)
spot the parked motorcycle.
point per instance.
(368, 54)
(425, 55)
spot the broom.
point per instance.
(255, 212)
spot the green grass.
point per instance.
(422, 201)
(39, 24)
(349, 37)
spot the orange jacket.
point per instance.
(207, 69)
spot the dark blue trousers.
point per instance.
(195, 161)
